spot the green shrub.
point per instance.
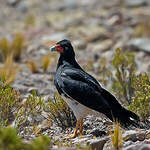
(124, 65)
(10, 141)
(141, 100)
(30, 109)
(60, 113)
(40, 143)
(9, 103)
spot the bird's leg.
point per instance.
(75, 133)
(81, 127)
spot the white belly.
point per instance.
(80, 111)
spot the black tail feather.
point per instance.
(126, 117)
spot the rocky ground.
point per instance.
(95, 28)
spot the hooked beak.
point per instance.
(57, 48)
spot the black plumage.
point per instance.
(72, 81)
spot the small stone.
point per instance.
(141, 136)
(97, 132)
(12, 2)
(148, 135)
(31, 89)
(138, 147)
(136, 3)
(54, 37)
(79, 44)
(103, 46)
(22, 6)
(130, 135)
(98, 144)
(140, 44)
(63, 148)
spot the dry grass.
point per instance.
(46, 61)
(9, 70)
(4, 48)
(17, 46)
(116, 137)
(13, 48)
(32, 66)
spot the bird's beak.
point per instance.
(57, 48)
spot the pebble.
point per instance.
(142, 44)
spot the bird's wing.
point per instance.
(83, 88)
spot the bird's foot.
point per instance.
(74, 135)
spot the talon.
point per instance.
(75, 133)
(72, 136)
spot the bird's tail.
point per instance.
(126, 117)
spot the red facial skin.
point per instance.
(59, 48)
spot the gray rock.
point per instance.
(22, 6)
(140, 44)
(130, 135)
(138, 147)
(98, 132)
(104, 45)
(136, 3)
(98, 144)
(69, 4)
(64, 148)
(79, 44)
(56, 37)
(12, 2)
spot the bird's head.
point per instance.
(65, 48)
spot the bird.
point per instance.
(83, 93)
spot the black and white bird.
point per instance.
(83, 93)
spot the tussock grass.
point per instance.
(13, 48)
(116, 136)
(9, 70)
(17, 46)
(32, 66)
(46, 61)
